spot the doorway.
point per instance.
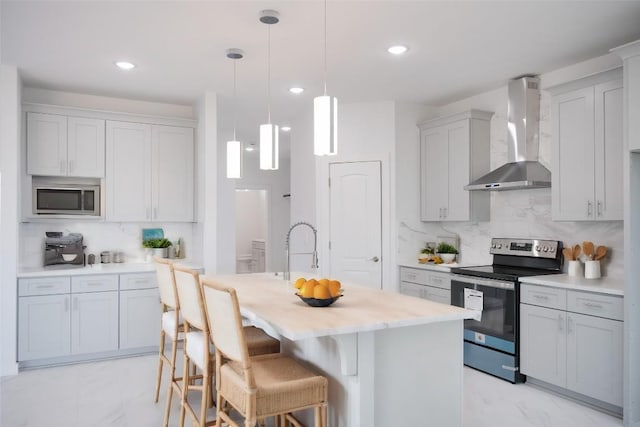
(355, 200)
(252, 219)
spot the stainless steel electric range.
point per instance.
(491, 344)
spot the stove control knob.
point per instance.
(552, 249)
(545, 249)
(499, 245)
(537, 248)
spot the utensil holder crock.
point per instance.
(592, 269)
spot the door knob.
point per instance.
(374, 259)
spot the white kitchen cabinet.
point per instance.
(140, 313)
(454, 151)
(588, 151)
(543, 344)
(44, 327)
(430, 285)
(65, 146)
(149, 173)
(577, 346)
(94, 322)
(140, 310)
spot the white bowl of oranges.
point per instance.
(318, 293)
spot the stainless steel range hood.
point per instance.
(523, 124)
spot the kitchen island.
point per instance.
(390, 359)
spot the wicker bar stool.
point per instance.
(171, 327)
(197, 349)
(258, 387)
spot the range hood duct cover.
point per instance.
(523, 124)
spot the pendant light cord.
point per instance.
(234, 100)
(325, 47)
(269, 73)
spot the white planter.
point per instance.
(447, 258)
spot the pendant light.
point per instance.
(234, 147)
(325, 113)
(269, 132)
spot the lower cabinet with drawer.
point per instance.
(573, 340)
(431, 285)
(63, 319)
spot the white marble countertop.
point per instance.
(604, 285)
(444, 268)
(270, 303)
(111, 268)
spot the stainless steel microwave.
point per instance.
(66, 199)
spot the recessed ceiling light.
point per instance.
(124, 65)
(296, 90)
(285, 128)
(398, 49)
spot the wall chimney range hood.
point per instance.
(523, 124)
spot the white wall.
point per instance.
(520, 213)
(10, 125)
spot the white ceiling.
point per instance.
(457, 48)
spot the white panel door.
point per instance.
(543, 344)
(46, 144)
(608, 151)
(355, 221)
(434, 164)
(128, 171)
(172, 173)
(458, 208)
(44, 327)
(573, 178)
(140, 313)
(85, 147)
(94, 322)
(594, 347)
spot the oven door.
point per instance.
(497, 327)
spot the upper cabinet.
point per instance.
(149, 173)
(587, 149)
(454, 151)
(65, 146)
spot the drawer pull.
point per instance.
(44, 286)
(141, 281)
(542, 297)
(436, 280)
(594, 305)
(94, 283)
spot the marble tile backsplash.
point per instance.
(98, 236)
(516, 213)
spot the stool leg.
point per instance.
(186, 380)
(172, 369)
(161, 353)
(205, 397)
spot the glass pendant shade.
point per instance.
(325, 125)
(269, 147)
(234, 159)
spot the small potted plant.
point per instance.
(426, 253)
(157, 247)
(446, 252)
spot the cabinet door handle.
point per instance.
(444, 212)
(148, 214)
(62, 166)
(599, 208)
(155, 213)
(570, 325)
(589, 209)
(560, 322)
(72, 166)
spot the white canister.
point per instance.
(592, 269)
(574, 268)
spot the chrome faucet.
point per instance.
(314, 254)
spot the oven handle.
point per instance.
(491, 283)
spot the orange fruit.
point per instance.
(334, 288)
(321, 292)
(298, 284)
(324, 282)
(307, 289)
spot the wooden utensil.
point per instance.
(601, 252)
(587, 247)
(568, 254)
(576, 251)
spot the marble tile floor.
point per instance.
(120, 393)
